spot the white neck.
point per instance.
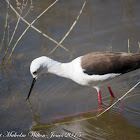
(60, 69)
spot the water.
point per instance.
(103, 25)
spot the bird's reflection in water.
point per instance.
(71, 126)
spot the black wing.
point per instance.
(107, 62)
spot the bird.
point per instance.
(93, 69)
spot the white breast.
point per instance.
(76, 74)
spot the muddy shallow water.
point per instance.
(104, 25)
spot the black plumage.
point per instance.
(101, 63)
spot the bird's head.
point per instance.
(39, 66)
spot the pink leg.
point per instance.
(111, 93)
(99, 97)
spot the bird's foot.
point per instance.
(120, 103)
(112, 95)
(101, 107)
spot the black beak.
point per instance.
(33, 82)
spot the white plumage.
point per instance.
(93, 69)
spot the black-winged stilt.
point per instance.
(93, 69)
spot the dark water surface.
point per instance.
(104, 25)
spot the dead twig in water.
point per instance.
(70, 27)
(30, 25)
